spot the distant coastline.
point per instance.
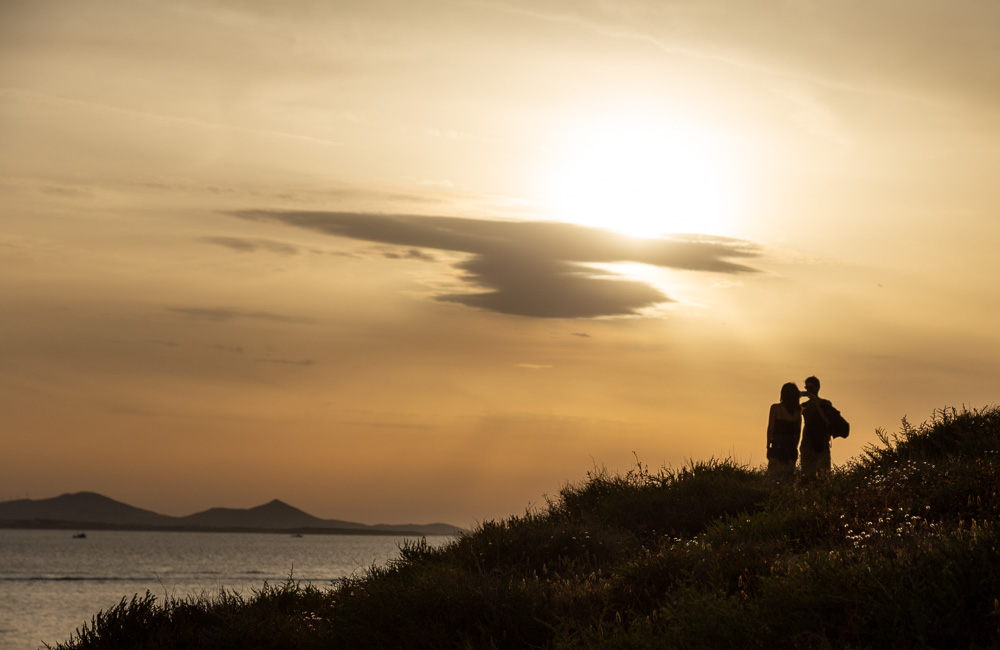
(91, 526)
(93, 511)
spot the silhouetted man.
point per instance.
(814, 452)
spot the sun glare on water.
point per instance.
(647, 181)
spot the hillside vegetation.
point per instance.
(900, 548)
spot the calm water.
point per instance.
(51, 583)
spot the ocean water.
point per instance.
(51, 583)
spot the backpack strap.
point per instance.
(821, 409)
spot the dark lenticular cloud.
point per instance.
(528, 285)
(531, 268)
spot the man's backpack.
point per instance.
(836, 424)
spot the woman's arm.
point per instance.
(770, 425)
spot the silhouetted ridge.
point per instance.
(274, 514)
(96, 509)
(83, 507)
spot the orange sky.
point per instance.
(396, 262)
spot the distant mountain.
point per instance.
(275, 514)
(89, 508)
(82, 507)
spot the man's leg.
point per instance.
(781, 469)
(810, 462)
(824, 463)
(815, 463)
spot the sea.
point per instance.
(53, 582)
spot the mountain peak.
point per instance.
(276, 506)
(84, 496)
(273, 514)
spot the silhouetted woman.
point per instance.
(784, 427)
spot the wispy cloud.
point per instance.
(735, 35)
(222, 314)
(287, 362)
(235, 349)
(412, 254)
(245, 245)
(537, 269)
(26, 96)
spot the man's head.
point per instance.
(812, 384)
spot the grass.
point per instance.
(900, 548)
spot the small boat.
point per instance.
(296, 534)
(80, 536)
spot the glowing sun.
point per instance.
(646, 181)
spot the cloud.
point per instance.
(532, 268)
(243, 245)
(412, 254)
(887, 55)
(221, 314)
(527, 286)
(287, 362)
(236, 349)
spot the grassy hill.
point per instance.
(900, 548)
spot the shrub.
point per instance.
(900, 548)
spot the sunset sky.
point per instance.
(430, 261)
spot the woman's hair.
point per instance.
(790, 395)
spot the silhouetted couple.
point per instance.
(785, 430)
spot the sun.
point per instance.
(646, 181)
